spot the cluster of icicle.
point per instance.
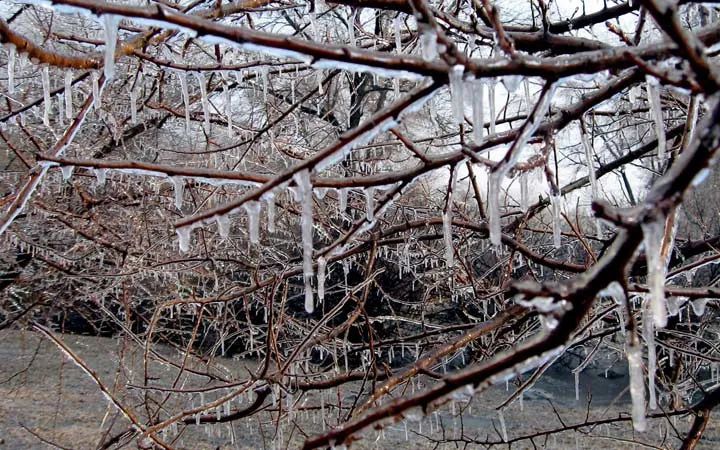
(502, 168)
(459, 85)
(65, 100)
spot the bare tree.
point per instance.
(408, 201)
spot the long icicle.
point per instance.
(68, 95)
(653, 235)
(456, 93)
(649, 336)
(45, 76)
(204, 99)
(182, 76)
(111, 23)
(653, 93)
(302, 179)
(447, 221)
(503, 167)
(11, 58)
(491, 105)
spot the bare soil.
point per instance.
(46, 401)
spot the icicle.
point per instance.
(68, 95)
(321, 278)
(342, 200)
(97, 96)
(555, 203)
(528, 99)
(264, 81)
(577, 385)
(223, 225)
(182, 76)
(302, 179)
(653, 93)
(503, 428)
(270, 200)
(491, 104)
(67, 172)
(694, 108)
(11, 56)
(179, 185)
(428, 42)
(493, 207)
(589, 161)
(183, 234)
(649, 336)
(637, 387)
(524, 192)
(398, 38)
(319, 78)
(478, 92)
(370, 204)
(253, 211)
(111, 28)
(351, 28)
(101, 176)
(654, 232)
(204, 99)
(313, 27)
(511, 82)
(61, 108)
(45, 76)
(133, 105)
(447, 223)
(456, 93)
(228, 108)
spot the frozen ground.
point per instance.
(44, 397)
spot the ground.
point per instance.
(47, 401)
